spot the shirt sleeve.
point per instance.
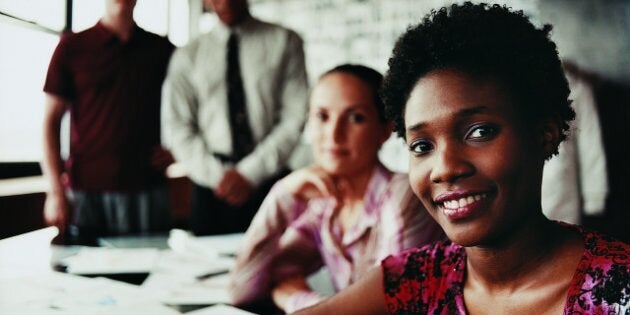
(180, 129)
(264, 247)
(406, 223)
(272, 153)
(59, 79)
(593, 179)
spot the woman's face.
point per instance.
(474, 164)
(344, 124)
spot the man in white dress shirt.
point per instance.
(230, 179)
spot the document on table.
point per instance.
(100, 260)
(209, 246)
(179, 289)
(65, 294)
(26, 254)
(189, 279)
(192, 264)
(220, 309)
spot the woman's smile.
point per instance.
(459, 205)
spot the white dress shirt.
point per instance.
(195, 115)
(575, 181)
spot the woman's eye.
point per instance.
(420, 147)
(482, 132)
(356, 117)
(321, 116)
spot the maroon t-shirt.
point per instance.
(115, 90)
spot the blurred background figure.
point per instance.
(235, 101)
(575, 181)
(109, 78)
(346, 211)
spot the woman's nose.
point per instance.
(450, 164)
(337, 130)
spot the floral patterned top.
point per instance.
(430, 280)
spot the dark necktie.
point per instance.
(242, 140)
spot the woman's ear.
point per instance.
(551, 135)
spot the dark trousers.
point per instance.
(211, 215)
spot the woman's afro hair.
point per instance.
(485, 41)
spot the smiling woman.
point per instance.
(479, 95)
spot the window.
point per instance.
(28, 36)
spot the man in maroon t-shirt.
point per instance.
(109, 78)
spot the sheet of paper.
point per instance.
(64, 294)
(227, 244)
(99, 260)
(191, 263)
(177, 289)
(26, 253)
(209, 246)
(220, 309)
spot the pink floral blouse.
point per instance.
(430, 280)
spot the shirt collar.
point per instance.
(248, 24)
(372, 203)
(106, 35)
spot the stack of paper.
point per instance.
(195, 271)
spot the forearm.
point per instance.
(181, 133)
(52, 164)
(272, 153)
(250, 279)
(364, 297)
(189, 150)
(294, 294)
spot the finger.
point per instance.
(325, 184)
(318, 188)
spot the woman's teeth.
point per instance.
(462, 202)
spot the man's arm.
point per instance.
(180, 131)
(272, 153)
(261, 260)
(56, 209)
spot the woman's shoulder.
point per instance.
(602, 279)
(425, 280)
(445, 254)
(601, 249)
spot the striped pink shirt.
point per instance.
(291, 237)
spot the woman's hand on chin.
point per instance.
(312, 182)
